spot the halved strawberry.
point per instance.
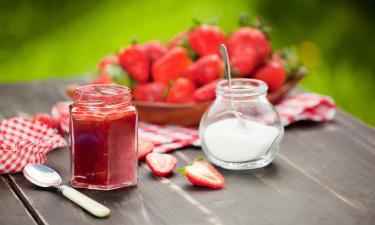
(161, 164)
(201, 173)
(144, 148)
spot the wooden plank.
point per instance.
(12, 211)
(323, 175)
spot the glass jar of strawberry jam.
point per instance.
(103, 138)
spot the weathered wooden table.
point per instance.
(324, 174)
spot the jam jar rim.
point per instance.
(121, 94)
(241, 87)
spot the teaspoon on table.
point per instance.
(44, 176)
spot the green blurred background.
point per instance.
(65, 38)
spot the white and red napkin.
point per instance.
(24, 141)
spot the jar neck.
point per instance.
(102, 96)
(241, 89)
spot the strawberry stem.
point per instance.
(192, 54)
(290, 60)
(199, 158)
(243, 20)
(134, 41)
(196, 23)
(182, 171)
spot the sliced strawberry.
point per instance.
(135, 61)
(206, 92)
(144, 148)
(201, 173)
(171, 66)
(150, 92)
(181, 91)
(161, 164)
(155, 50)
(206, 69)
(206, 39)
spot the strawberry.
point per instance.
(144, 148)
(155, 50)
(134, 60)
(204, 70)
(161, 164)
(206, 92)
(107, 61)
(272, 73)
(113, 74)
(171, 65)
(178, 40)
(181, 91)
(206, 39)
(201, 173)
(104, 78)
(247, 48)
(44, 119)
(150, 92)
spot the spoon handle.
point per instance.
(92, 206)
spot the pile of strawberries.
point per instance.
(188, 68)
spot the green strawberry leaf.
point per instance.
(290, 61)
(118, 75)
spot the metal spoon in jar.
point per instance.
(44, 176)
(224, 55)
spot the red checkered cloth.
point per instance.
(306, 106)
(24, 141)
(168, 137)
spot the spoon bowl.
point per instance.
(41, 175)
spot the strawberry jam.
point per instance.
(103, 133)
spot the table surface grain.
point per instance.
(324, 174)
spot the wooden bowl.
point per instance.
(189, 114)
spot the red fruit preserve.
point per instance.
(103, 135)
